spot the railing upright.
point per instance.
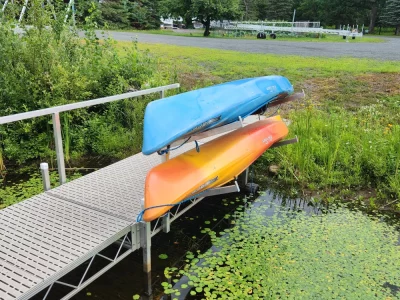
(55, 113)
(59, 147)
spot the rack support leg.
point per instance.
(146, 245)
(243, 178)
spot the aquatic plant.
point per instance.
(17, 191)
(292, 255)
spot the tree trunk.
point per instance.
(188, 22)
(397, 32)
(246, 5)
(207, 24)
(373, 16)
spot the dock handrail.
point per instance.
(56, 110)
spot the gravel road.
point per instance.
(389, 50)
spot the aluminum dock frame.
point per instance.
(49, 235)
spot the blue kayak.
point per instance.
(169, 119)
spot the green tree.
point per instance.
(144, 14)
(207, 10)
(249, 9)
(334, 12)
(261, 9)
(141, 14)
(87, 9)
(114, 13)
(203, 11)
(391, 15)
(176, 9)
(279, 10)
(376, 7)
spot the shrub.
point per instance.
(51, 65)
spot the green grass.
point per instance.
(198, 67)
(340, 151)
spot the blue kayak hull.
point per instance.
(169, 119)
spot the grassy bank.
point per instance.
(347, 125)
(221, 65)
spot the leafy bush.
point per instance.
(121, 14)
(51, 65)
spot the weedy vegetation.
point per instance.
(49, 65)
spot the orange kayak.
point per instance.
(218, 162)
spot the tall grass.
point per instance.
(341, 150)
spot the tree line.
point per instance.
(145, 14)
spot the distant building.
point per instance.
(197, 25)
(170, 23)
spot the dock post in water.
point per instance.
(166, 223)
(145, 241)
(243, 178)
(44, 169)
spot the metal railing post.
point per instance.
(44, 169)
(59, 147)
(23, 11)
